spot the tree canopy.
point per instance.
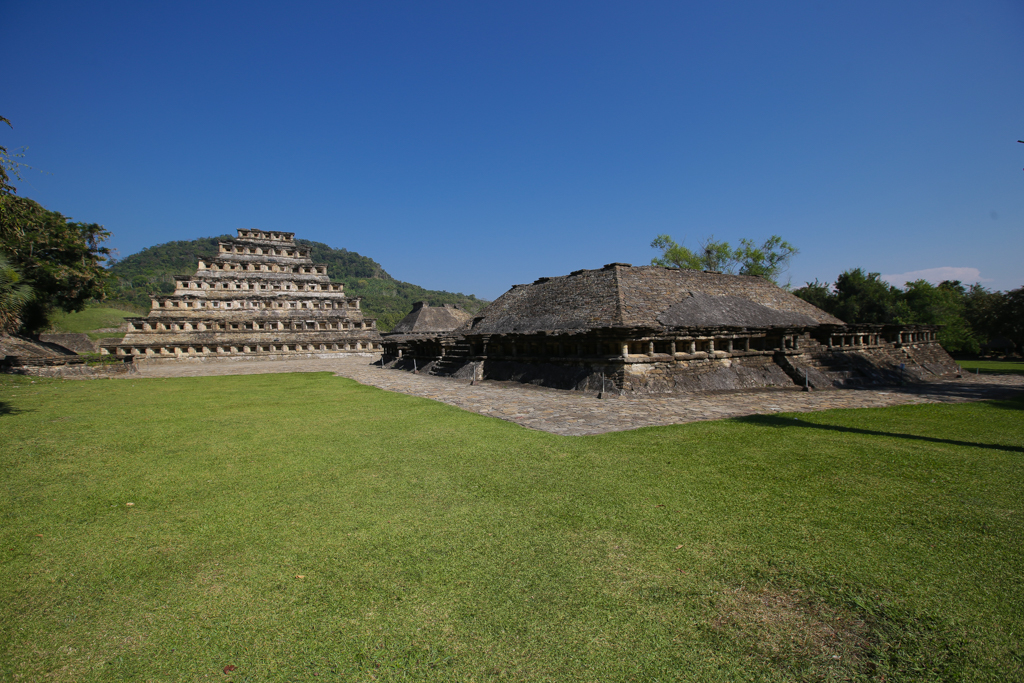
(9, 206)
(970, 316)
(14, 294)
(57, 260)
(60, 259)
(768, 260)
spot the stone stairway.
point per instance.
(455, 357)
(858, 368)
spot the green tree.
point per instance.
(1011, 317)
(62, 260)
(11, 209)
(818, 294)
(717, 256)
(14, 295)
(968, 316)
(768, 260)
(674, 255)
(59, 260)
(981, 311)
(928, 304)
(864, 298)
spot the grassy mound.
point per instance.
(90, 320)
(303, 527)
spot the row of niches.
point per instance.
(225, 266)
(236, 248)
(147, 325)
(689, 347)
(253, 285)
(266, 235)
(182, 350)
(311, 304)
(918, 336)
(646, 347)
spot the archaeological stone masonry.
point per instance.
(659, 330)
(260, 298)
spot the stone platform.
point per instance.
(578, 414)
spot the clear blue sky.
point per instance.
(470, 146)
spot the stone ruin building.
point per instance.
(650, 329)
(424, 322)
(422, 326)
(260, 298)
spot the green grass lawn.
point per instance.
(93, 318)
(993, 366)
(305, 528)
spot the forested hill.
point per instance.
(384, 298)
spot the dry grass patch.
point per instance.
(799, 635)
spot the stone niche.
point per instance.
(260, 298)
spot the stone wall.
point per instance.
(795, 362)
(143, 361)
(79, 343)
(726, 374)
(575, 377)
(77, 370)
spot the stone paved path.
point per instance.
(573, 413)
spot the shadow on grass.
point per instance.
(1009, 404)
(790, 423)
(8, 409)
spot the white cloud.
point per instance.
(936, 275)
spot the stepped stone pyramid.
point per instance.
(261, 298)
